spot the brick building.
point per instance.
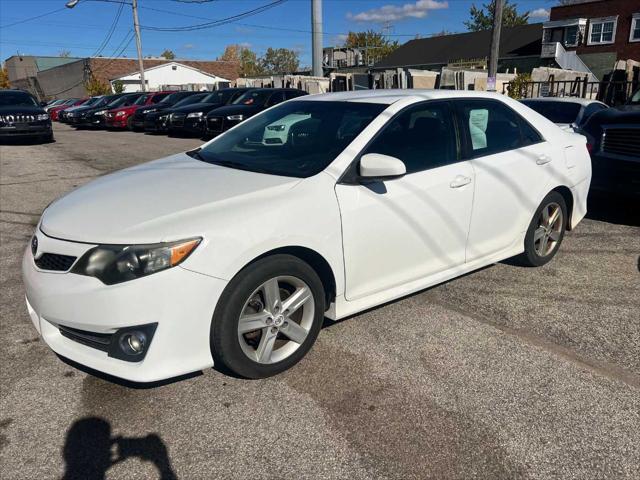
(599, 32)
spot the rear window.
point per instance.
(557, 112)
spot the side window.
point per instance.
(423, 137)
(293, 94)
(276, 98)
(491, 127)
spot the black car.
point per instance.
(156, 120)
(96, 116)
(170, 101)
(21, 116)
(62, 114)
(190, 119)
(613, 139)
(247, 105)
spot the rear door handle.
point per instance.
(460, 181)
(543, 159)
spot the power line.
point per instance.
(112, 29)
(33, 18)
(216, 23)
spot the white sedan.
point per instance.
(233, 253)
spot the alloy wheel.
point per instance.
(549, 229)
(276, 319)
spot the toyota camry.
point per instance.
(322, 206)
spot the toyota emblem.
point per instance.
(34, 245)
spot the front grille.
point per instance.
(622, 141)
(55, 262)
(214, 124)
(99, 341)
(18, 118)
(177, 119)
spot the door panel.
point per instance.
(404, 229)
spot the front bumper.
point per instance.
(620, 176)
(188, 126)
(116, 122)
(27, 130)
(180, 301)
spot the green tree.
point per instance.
(280, 60)
(373, 45)
(168, 54)
(482, 18)
(4, 77)
(249, 64)
(118, 86)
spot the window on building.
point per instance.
(602, 30)
(571, 36)
(635, 28)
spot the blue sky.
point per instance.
(82, 30)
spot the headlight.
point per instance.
(237, 118)
(150, 110)
(194, 115)
(113, 264)
(101, 112)
(120, 114)
(276, 128)
(42, 116)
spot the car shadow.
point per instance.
(90, 450)
(25, 141)
(612, 208)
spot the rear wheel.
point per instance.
(268, 317)
(545, 232)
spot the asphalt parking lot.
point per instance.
(507, 372)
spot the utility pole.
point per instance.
(495, 45)
(316, 37)
(136, 27)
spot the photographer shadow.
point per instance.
(90, 450)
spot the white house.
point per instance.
(170, 75)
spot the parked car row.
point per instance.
(202, 114)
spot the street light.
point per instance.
(136, 28)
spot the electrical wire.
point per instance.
(33, 18)
(215, 23)
(110, 32)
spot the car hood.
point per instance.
(236, 109)
(163, 200)
(12, 109)
(197, 107)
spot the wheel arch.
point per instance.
(315, 260)
(568, 199)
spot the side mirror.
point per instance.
(375, 166)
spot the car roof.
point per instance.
(389, 96)
(581, 101)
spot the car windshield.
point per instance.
(190, 99)
(294, 139)
(91, 102)
(557, 112)
(254, 97)
(8, 98)
(141, 100)
(174, 97)
(121, 101)
(220, 96)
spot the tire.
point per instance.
(542, 241)
(247, 296)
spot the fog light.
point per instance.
(133, 343)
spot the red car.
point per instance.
(72, 102)
(122, 117)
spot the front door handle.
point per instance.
(543, 159)
(460, 181)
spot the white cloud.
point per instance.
(389, 13)
(539, 13)
(188, 46)
(244, 45)
(339, 39)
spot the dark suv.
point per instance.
(190, 119)
(22, 116)
(246, 106)
(613, 139)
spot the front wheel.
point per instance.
(545, 232)
(268, 317)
